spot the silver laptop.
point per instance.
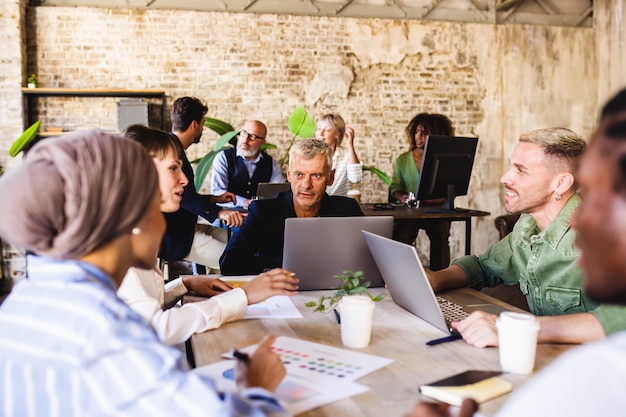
(409, 286)
(318, 248)
(270, 189)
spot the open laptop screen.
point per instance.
(318, 248)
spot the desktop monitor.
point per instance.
(446, 169)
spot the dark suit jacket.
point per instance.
(258, 245)
(181, 225)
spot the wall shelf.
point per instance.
(31, 94)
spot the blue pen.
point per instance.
(451, 338)
(337, 317)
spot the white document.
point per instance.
(276, 307)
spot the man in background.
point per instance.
(239, 170)
(184, 238)
(258, 246)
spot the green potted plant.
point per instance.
(355, 305)
(33, 81)
(353, 284)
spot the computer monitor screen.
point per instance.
(446, 168)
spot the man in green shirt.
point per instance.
(539, 253)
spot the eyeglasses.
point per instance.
(245, 134)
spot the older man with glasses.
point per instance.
(241, 169)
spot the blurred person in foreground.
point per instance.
(68, 345)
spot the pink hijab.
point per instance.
(75, 193)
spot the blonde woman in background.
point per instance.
(332, 129)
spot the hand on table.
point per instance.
(231, 218)
(263, 369)
(424, 409)
(278, 281)
(206, 286)
(479, 329)
(227, 197)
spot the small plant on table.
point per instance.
(353, 284)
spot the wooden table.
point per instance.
(396, 334)
(429, 214)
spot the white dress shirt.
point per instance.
(345, 173)
(144, 291)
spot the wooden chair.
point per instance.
(505, 223)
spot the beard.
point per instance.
(246, 153)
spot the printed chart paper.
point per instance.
(317, 374)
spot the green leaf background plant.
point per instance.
(300, 124)
(24, 141)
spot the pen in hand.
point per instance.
(243, 357)
(451, 338)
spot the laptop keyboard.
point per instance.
(451, 310)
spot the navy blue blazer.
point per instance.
(258, 245)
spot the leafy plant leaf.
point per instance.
(383, 177)
(228, 137)
(301, 124)
(204, 166)
(217, 125)
(25, 139)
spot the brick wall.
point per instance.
(492, 81)
(12, 68)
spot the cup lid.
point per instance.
(356, 300)
(518, 320)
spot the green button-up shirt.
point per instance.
(544, 265)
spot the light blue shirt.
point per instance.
(70, 347)
(219, 180)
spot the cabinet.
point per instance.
(31, 95)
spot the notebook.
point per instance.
(269, 189)
(480, 385)
(409, 287)
(318, 248)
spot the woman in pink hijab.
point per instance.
(87, 206)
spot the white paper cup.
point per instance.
(356, 312)
(356, 194)
(517, 340)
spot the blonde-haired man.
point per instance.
(539, 254)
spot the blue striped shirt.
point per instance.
(70, 347)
